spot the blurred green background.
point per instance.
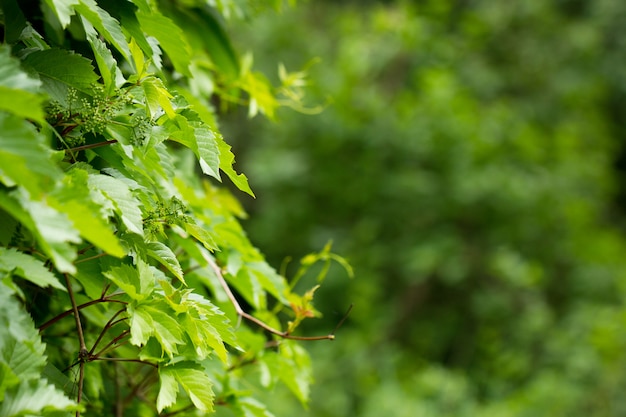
(470, 165)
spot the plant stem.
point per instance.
(92, 145)
(250, 317)
(83, 353)
(107, 299)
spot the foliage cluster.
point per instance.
(128, 286)
(469, 167)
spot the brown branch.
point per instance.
(90, 258)
(154, 365)
(92, 145)
(106, 327)
(83, 353)
(103, 299)
(249, 317)
(110, 344)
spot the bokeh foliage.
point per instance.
(470, 166)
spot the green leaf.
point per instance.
(205, 32)
(73, 197)
(18, 92)
(207, 327)
(106, 25)
(249, 407)
(60, 69)
(155, 319)
(201, 140)
(157, 98)
(126, 205)
(171, 37)
(137, 282)
(32, 398)
(107, 65)
(269, 280)
(28, 268)
(192, 378)
(23, 160)
(168, 390)
(292, 365)
(164, 255)
(227, 160)
(52, 229)
(64, 10)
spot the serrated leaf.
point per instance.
(107, 26)
(166, 329)
(164, 255)
(269, 280)
(141, 325)
(126, 205)
(27, 267)
(205, 32)
(60, 69)
(207, 328)
(23, 160)
(227, 160)
(194, 381)
(64, 10)
(107, 65)
(73, 198)
(137, 282)
(168, 390)
(171, 37)
(157, 97)
(18, 92)
(249, 407)
(201, 140)
(292, 365)
(52, 229)
(32, 398)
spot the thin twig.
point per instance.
(251, 318)
(92, 145)
(90, 258)
(107, 299)
(111, 343)
(154, 365)
(106, 327)
(83, 353)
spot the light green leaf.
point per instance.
(171, 37)
(164, 255)
(138, 282)
(73, 198)
(107, 65)
(64, 10)
(157, 97)
(52, 229)
(141, 325)
(166, 329)
(23, 160)
(106, 25)
(21, 349)
(227, 160)
(18, 92)
(292, 365)
(194, 381)
(201, 140)
(27, 267)
(168, 390)
(126, 205)
(59, 69)
(32, 398)
(269, 280)
(249, 407)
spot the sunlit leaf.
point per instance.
(27, 267)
